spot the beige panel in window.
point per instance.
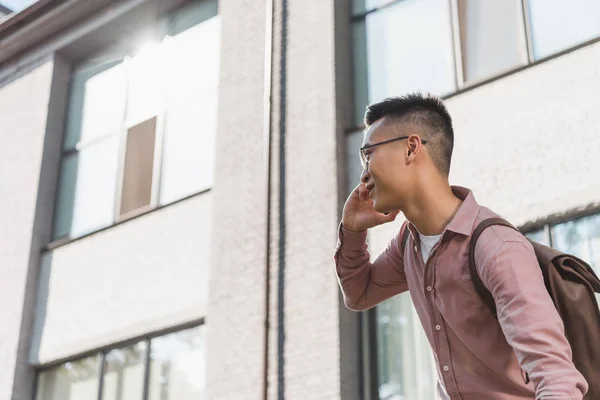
(138, 168)
(492, 37)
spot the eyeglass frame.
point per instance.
(363, 157)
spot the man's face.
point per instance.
(385, 172)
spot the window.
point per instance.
(405, 365)
(140, 126)
(580, 237)
(177, 367)
(74, 380)
(557, 25)
(492, 37)
(123, 374)
(441, 46)
(395, 54)
(169, 367)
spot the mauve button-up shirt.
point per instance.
(477, 356)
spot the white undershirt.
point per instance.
(427, 244)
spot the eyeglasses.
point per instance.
(363, 157)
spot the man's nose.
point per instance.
(364, 177)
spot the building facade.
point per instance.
(173, 174)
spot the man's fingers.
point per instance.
(362, 192)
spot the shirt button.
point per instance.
(446, 368)
(429, 288)
(416, 248)
(438, 328)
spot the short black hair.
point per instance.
(426, 113)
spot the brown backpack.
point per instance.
(571, 283)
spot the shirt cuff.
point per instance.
(351, 239)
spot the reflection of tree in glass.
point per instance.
(567, 237)
(593, 226)
(539, 236)
(72, 380)
(84, 368)
(572, 236)
(177, 365)
(118, 359)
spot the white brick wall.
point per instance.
(312, 360)
(23, 112)
(235, 328)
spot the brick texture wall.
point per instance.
(235, 334)
(304, 331)
(23, 114)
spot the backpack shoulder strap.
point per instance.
(483, 292)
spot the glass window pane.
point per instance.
(399, 60)
(353, 166)
(74, 380)
(557, 25)
(493, 37)
(540, 236)
(86, 192)
(139, 166)
(65, 198)
(190, 14)
(188, 148)
(361, 75)
(124, 373)
(177, 370)
(580, 237)
(96, 103)
(406, 368)
(95, 188)
(194, 60)
(146, 86)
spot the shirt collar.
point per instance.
(464, 219)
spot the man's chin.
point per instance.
(380, 208)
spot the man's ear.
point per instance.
(412, 147)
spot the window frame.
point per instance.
(101, 353)
(154, 27)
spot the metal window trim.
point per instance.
(528, 33)
(66, 240)
(457, 44)
(102, 350)
(364, 14)
(122, 149)
(102, 362)
(372, 353)
(569, 215)
(146, 389)
(159, 142)
(548, 234)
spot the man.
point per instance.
(406, 159)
